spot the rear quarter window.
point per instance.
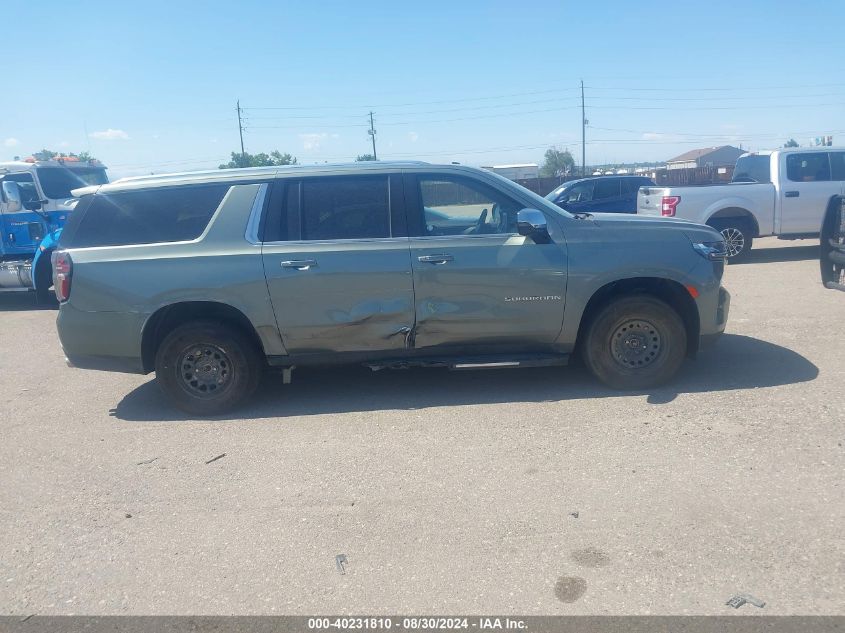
(174, 214)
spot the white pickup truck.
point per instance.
(784, 192)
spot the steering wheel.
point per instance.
(479, 223)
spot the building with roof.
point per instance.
(722, 156)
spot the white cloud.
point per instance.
(413, 136)
(312, 140)
(653, 136)
(110, 135)
(11, 142)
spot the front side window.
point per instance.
(461, 206)
(150, 216)
(26, 185)
(810, 167)
(582, 192)
(356, 207)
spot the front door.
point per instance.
(336, 259)
(806, 192)
(478, 283)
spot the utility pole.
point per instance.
(372, 134)
(241, 129)
(583, 134)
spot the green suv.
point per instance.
(210, 278)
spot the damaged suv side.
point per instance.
(208, 278)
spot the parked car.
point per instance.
(832, 240)
(602, 194)
(207, 278)
(785, 193)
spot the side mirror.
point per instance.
(532, 223)
(12, 197)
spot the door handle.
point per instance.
(791, 194)
(299, 264)
(436, 259)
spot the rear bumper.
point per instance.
(108, 341)
(126, 365)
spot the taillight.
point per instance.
(62, 273)
(668, 204)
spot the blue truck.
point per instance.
(35, 200)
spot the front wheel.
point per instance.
(206, 368)
(635, 342)
(738, 237)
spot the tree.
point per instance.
(48, 154)
(273, 159)
(364, 157)
(557, 163)
(791, 143)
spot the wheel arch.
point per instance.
(735, 212)
(41, 259)
(667, 290)
(168, 317)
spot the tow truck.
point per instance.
(35, 200)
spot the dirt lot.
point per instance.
(516, 491)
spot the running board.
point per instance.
(475, 362)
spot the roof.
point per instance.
(25, 165)
(511, 166)
(251, 174)
(695, 154)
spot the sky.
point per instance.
(152, 86)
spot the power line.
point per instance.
(416, 103)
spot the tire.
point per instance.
(635, 342)
(207, 368)
(739, 237)
(43, 282)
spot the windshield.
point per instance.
(57, 182)
(552, 196)
(754, 168)
(541, 202)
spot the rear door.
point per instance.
(479, 285)
(806, 186)
(336, 259)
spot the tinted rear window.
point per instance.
(345, 208)
(145, 217)
(752, 169)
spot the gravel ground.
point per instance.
(531, 491)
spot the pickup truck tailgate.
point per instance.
(649, 200)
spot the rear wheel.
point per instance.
(635, 342)
(206, 368)
(738, 235)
